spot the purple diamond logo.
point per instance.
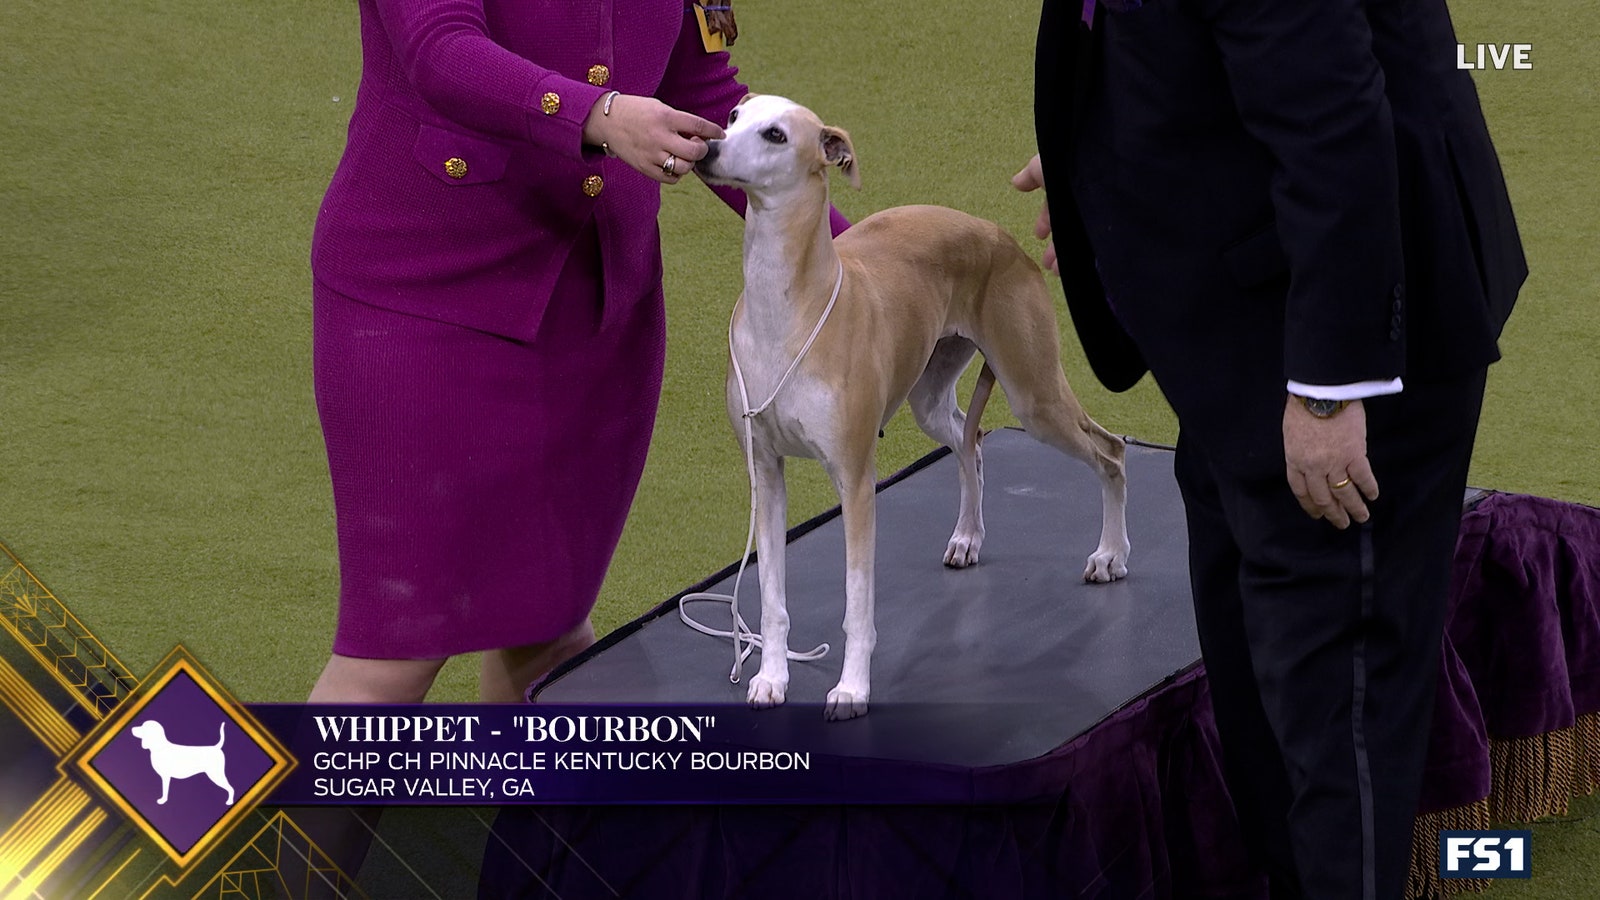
(182, 759)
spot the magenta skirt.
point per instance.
(480, 484)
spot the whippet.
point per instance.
(910, 294)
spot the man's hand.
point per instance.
(1031, 178)
(1327, 462)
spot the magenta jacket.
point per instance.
(465, 182)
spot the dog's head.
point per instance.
(148, 731)
(774, 144)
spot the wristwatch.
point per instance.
(1322, 409)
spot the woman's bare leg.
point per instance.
(507, 673)
(348, 679)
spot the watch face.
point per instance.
(1322, 408)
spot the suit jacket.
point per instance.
(1246, 192)
(465, 183)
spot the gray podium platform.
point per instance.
(982, 666)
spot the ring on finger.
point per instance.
(1344, 483)
(670, 167)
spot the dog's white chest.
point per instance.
(792, 425)
(788, 435)
(793, 419)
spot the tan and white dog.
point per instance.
(914, 292)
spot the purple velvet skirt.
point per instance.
(480, 484)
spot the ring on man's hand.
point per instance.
(670, 167)
(1344, 483)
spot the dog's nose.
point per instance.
(713, 147)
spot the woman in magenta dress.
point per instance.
(488, 326)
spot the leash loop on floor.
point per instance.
(744, 640)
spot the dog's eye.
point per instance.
(775, 135)
(733, 116)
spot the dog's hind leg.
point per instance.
(1021, 331)
(933, 404)
(221, 780)
(1056, 419)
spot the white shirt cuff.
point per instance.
(1359, 390)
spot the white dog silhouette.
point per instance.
(182, 761)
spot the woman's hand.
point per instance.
(646, 133)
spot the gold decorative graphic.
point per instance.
(179, 662)
(42, 823)
(54, 636)
(70, 834)
(114, 874)
(261, 869)
(35, 712)
(63, 848)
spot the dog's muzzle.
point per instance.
(713, 148)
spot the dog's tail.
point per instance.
(980, 398)
(222, 733)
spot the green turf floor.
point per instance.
(160, 464)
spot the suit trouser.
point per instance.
(1322, 646)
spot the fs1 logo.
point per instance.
(1484, 854)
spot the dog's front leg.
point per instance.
(848, 698)
(165, 781)
(768, 687)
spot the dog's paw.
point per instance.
(843, 704)
(962, 550)
(1106, 566)
(765, 693)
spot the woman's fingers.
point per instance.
(690, 125)
(656, 140)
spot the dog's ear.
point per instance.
(746, 98)
(838, 151)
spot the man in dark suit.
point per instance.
(1290, 213)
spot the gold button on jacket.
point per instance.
(551, 103)
(455, 167)
(593, 185)
(599, 75)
